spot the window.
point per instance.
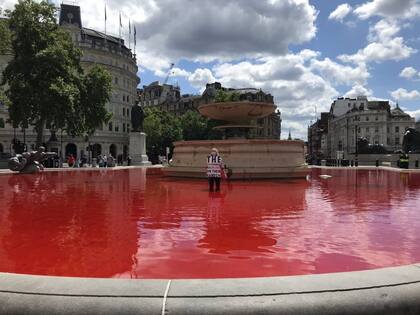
(367, 129)
(117, 128)
(110, 126)
(116, 80)
(128, 112)
(128, 127)
(367, 118)
(123, 98)
(376, 118)
(123, 127)
(2, 124)
(376, 129)
(387, 129)
(123, 111)
(128, 98)
(388, 141)
(397, 140)
(397, 129)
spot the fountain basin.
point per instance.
(245, 158)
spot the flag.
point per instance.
(120, 20)
(129, 27)
(135, 35)
(105, 12)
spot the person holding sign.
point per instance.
(215, 169)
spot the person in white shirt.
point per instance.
(214, 169)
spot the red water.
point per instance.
(122, 224)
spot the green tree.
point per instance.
(194, 126)
(226, 96)
(5, 36)
(46, 84)
(162, 129)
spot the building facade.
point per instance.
(97, 49)
(351, 119)
(317, 138)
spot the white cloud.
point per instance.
(221, 29)
(177, 72)
(296, 93)
(414, 113)
(394, 49)
(409, 73)
(383, 45)
(358, 90)
(404, 95)
(340, 12)
(388, 8)
(200, 78)
(383, 31)
(340, 74)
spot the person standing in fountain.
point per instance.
(214, 169)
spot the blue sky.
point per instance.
(304, 52)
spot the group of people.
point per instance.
(102, 161)
(106, 161)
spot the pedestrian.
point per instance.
(71, 160)
(215, 168)
(128, 160)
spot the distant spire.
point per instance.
(290, 136)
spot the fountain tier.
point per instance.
(245, 158)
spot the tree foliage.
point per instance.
(196, 127)
(225, 96)
(5, 36)
(46, 84)
(162, 129)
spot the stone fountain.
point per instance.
(245, 158)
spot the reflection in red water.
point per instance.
(120, 224)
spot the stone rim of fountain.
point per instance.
(392, 290)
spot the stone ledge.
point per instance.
(381, 291)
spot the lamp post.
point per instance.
(356, 157)
(61, 149)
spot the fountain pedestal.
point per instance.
(138, 149)
(247, 159)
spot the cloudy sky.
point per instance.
(304, 52)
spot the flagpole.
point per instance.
(105, 17)
(135, 39)
(120, 28)
(129, 33)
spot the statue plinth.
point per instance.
(138, 149)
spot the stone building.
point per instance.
(351, 119)
(98, 49)
(317, 137)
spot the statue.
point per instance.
(411, 142)
(30, 162)
(363, 147)
(137, 118)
